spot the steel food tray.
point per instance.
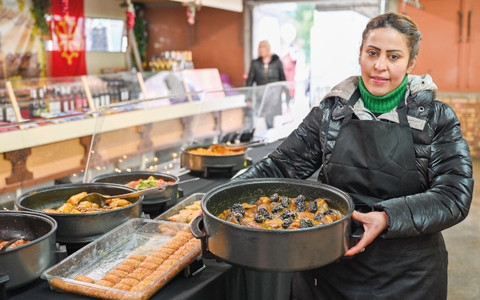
(179, 206)
(137, 236)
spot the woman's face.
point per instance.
(384, 60)
(263, 50)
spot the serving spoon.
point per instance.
(242, 146)
(100, 199)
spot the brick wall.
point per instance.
(467, 108)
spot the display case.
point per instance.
(145, 130)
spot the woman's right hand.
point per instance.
(374, 223)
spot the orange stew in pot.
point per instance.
(282, 212)
(215, 150)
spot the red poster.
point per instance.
(68, 37)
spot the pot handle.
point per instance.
(357, 233)
(196, 227)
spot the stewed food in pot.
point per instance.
(282, 212)
(75, 205)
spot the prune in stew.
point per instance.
(318, 216)
(274, 198)
(237, 215)
(263, 211)
(277, 208)
(301, 207)
(238, 208)
(299, 199)
(286, 223)
(305, 223)
(288, 214)
(259, 218)
(285, 201)
(270, 217)
(313, 207)
(328, 212)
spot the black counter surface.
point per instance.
(217, 281)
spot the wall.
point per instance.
(467, 108)
(108, 9)
(216, 39)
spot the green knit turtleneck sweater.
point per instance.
(385, 103)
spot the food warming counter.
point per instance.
(217, 281)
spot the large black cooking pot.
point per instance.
(151, 203)
(27, 262)
(268, 249)
(207, 164)
(81, 228)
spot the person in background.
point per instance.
(267, 68)
(384, 139)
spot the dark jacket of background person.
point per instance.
(262, 76)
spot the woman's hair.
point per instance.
(265, 42)
(400, 23)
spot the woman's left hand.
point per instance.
(374, 223)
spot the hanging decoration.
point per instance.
(39, 9)
(130, 17)
(191, 11)
(140, 30)
(68, 37)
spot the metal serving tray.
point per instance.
(137, 236)
(179, 206)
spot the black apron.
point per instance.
(374, 161)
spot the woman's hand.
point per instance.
(373, 223)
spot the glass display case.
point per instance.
(129, 122)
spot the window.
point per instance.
(105, 35)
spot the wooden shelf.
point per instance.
(46, 134)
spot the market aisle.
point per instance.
(463, 244)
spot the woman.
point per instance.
(267, 68)
(400, 154)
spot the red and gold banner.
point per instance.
(68, 37)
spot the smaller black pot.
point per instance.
(81, 228)
(151, 203)
(26, 263)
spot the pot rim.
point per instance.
(66, 187)
(112, 175)
(35, 215)
(190, 147)
(247, 182)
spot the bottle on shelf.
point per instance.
(78, 100)
(43, 105)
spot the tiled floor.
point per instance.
(463, 245)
